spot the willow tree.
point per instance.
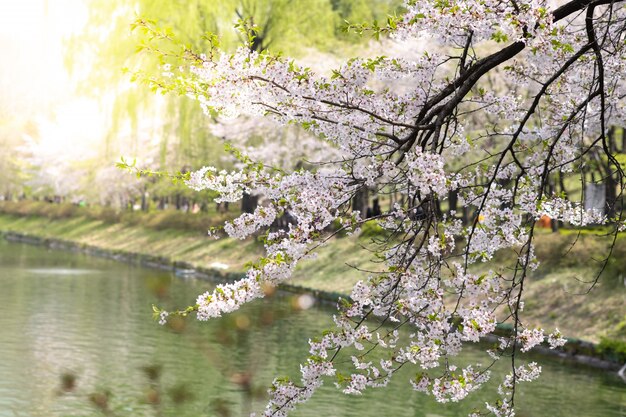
(294, 27)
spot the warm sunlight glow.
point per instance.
(35, 83)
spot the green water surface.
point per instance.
(77, 339)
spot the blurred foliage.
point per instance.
(371, 230)
(106, 47)
(613, 349)
(158, 220)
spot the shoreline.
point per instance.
(576, 350)
(180, 268)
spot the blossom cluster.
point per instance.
(487, 20)
(439, 137)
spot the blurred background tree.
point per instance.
(298, 28)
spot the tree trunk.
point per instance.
(465, 215)
(611, 195)
(360, 201)
(610, 183)
(249, 203)
(453, 199)
(144, 202)
(562, 189)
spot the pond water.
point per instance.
(77, 339)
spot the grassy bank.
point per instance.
(177, 237)
(568, 291)
(558, 294)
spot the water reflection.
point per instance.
(62, 271)
(86, 345)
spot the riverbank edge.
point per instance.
(575, 350)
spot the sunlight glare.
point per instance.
(35, 83)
